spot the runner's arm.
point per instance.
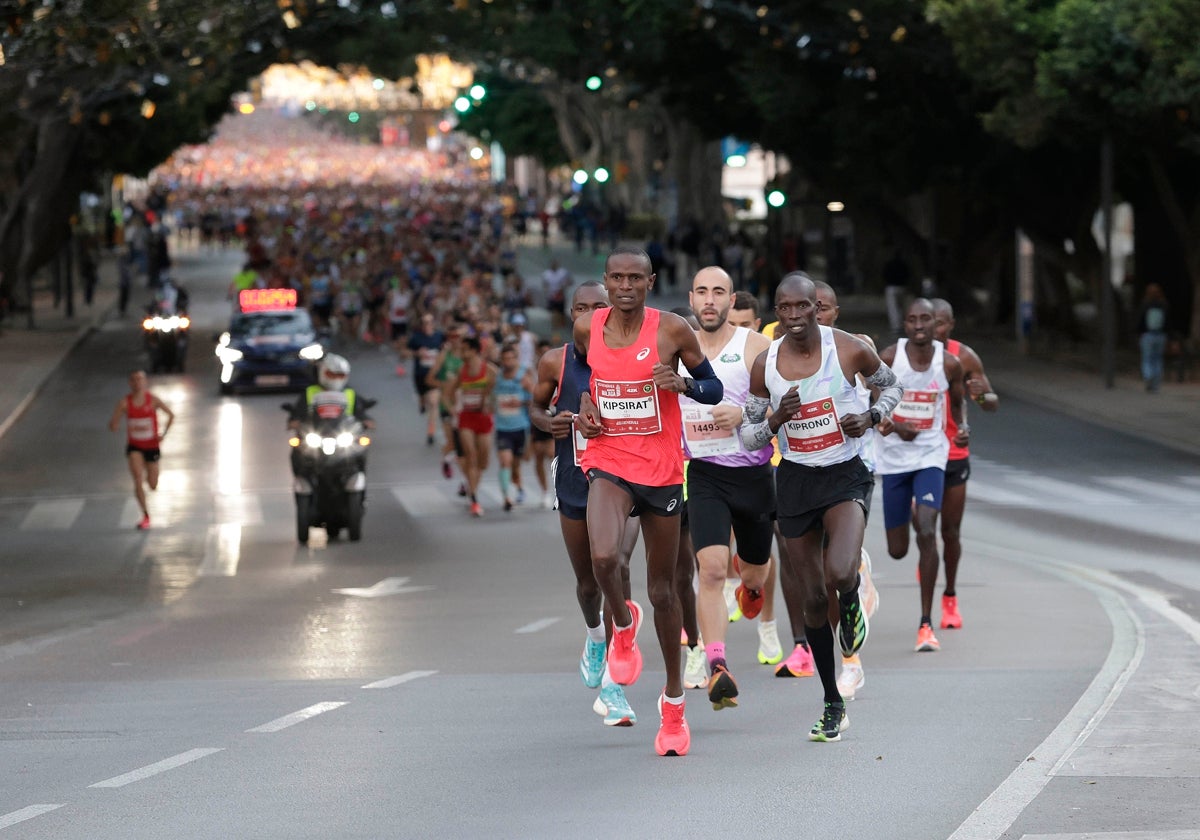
(883, 381)
(703, 386)
(755, 430)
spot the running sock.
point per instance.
(474, 501)
(949, 593)
(801, 640)
(605, 679)
(715, 652)
(821, 639)
(926, 620)
(596, 634)
(505, 481)
(762, 623)
(674, 701)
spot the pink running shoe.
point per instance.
(674, 737)
(799, 664)
(951, 619)
(624, 657)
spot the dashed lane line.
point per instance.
(14, 817)
(539, 625)
(157, 767)
(399, 680)
(298, 717)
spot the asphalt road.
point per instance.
(210, 678)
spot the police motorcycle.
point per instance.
(165, 328)
(329, 441)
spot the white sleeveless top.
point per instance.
(814, 437)
(701, 438)
(924, 405)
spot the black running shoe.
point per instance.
(722, 690)
(832, 724)
(853, 626)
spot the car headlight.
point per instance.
(228, 355)
(312, 352)
(313, 439)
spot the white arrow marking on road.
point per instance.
(403, 678)
(387, 586)
(26, 814)
(156, 768)
(540, 624)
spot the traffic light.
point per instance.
(776, 198)
(594, 83)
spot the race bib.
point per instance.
(628, 408)
(704, 438)
(471, 400)
(509, 405)
(427, 356)
(814, 427)
(141, 428)
(578, 445)
(918, 408)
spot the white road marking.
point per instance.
(387, 586)
(1077, 493)
(297, 717)
(29, 813)
(239, 508)
(222, 551)
(52, 515)
(1169, 494)
(540, 624)
(1179, 834)
(403, 678)
(996, 814)
(131, 514)
(157, 767)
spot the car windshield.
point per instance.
(255, 324)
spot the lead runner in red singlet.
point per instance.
(634, 463)
(143, 436)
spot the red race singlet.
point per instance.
(141, 426)
(957, 453)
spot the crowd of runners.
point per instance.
(743, 454)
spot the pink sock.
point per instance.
(714, 651)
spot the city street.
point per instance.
(211, 678)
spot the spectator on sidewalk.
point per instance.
(1152, 329)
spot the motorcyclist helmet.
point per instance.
(334, 372)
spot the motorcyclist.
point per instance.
(327, 398)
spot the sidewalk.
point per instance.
(1069, 382)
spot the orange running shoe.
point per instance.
(476, 509)
(722, 689)
(750, 601)
(926, 641)
(144, 524)
(624, 657)
(951, 620)
(674, 737)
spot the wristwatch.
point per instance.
(689, 385)
(876, 415)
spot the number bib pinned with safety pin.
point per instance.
(628, 408)
(917, 408)
(814, 427)
(704, 438)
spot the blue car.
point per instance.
(271, 344)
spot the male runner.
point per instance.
(808, 378)
(728, 486)
(142, 436)
(852, 677)
(911, 450)
(513, 388)
(424, 346)
(562, 377)
(958, 464)
(634, 463)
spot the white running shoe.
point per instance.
(731, 604)
(548, 500)
(868, 594)
(770, 651)
(695, 670)
(852, 678)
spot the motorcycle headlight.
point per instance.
(228, 355)
(312, 352)
(345, 439)
(184, 322)
(313, 439)
(328, 445)
(148, 324)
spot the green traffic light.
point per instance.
(594, 83)
(776, 198)
(462, 104)
(478, 92)
(352, 116)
